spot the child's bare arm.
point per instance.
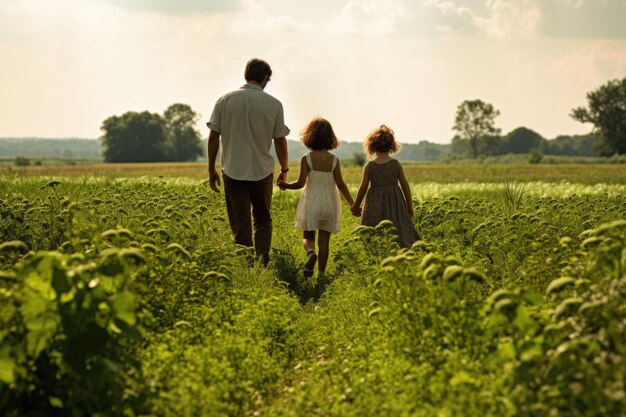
(406, 190)
(365, 180)
(341, 185)
(296, 185)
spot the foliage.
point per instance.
(64, 332)
(150, 137)
(127, 297)
(535, 156)
(180, 121)
(21, 161)
(521, 140)
(606, 110)
(359, 158)
(576, 145)
(134, 137)
(475, 123)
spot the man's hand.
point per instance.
(282, 178)
(356, 211)
(214, 181)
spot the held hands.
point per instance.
(356, 211)
(214, 181)
(281, 184)
(281, 180)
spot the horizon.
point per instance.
(359, 63)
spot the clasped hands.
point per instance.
(356, 211)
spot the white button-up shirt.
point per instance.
(248, 120)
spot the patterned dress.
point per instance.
(384, 201)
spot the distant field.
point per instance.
(417, 172)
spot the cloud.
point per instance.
(510, 18)
(254, 18)
(356, 17)
(527, 18)
(494, 18)
(602, 19)
(178, 7)
(369, 17)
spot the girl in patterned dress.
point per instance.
(319, 209)
(385, 200)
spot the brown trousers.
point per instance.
(240, 197)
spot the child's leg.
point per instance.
(308, 240)
(322, 244)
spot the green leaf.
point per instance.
(559, 284)
(60, 282)
(506, 351)
(452, 272)
(498, 295)
(567, 305)
(55, 402)
(124, 307)
(524, 321)
(474, 275)
(133, 254)
(506, 306)
(532, 298)
(7, 366)
(39, 314)
(462, 377)
(178, 249)
(13, 246)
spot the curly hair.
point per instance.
(381, 139)
(319, 135)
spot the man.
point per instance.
(248, 119)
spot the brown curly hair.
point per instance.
(319, 135)
(381, 139)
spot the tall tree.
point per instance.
(135, 137)
(607, 112)
(180, 121)
(475, 123)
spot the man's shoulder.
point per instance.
(229, 94)
(261, 95)
(271, 97)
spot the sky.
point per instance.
(67, 65)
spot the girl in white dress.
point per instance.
(319, 209)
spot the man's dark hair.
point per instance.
(257, 70)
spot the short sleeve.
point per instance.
(280, 130)
(214, 122)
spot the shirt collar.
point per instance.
(251, 86)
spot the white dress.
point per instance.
(319, 207)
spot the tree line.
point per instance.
(477, 134)
(172, 136)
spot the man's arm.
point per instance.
(282, 153)
(213, 145)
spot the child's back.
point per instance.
(384, 201)
(319, 207)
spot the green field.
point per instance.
(127, 297)
(416, 172)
